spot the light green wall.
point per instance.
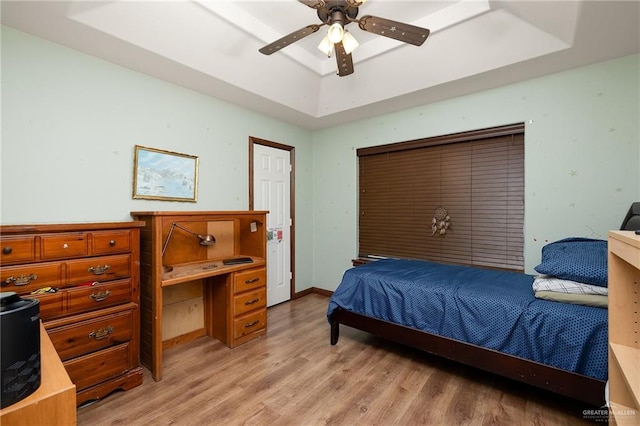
(70, 123)
(582, 157)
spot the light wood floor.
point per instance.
(293, 376)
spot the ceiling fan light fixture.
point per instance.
(339, 13)
(335, 33)
(326, 46)
(349, 42)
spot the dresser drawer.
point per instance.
(109, 242)
(247, 280)
(97, 367)
(102, 268)
(82, 299)
(249, 323)
(52, 305)
(249, 301)
(89, 336)
(61, 246)
(30, 277)
(17, 249)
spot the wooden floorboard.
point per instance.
(293, 376)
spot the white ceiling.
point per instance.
(211, 46)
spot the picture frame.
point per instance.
(164, 175)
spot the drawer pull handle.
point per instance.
(99, 297)
(98, 270)
(112, 243)
(251, 302)
(101, 334)
(253, 280)
(251, 324)
(21, 279)
(7, 250)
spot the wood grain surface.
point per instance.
(293, 376)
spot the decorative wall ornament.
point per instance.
(164, 175)
(441, 222)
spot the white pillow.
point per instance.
(551, 283)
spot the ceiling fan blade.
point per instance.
(397, 30)
(344, 60)
(314, 4)
(288, 39)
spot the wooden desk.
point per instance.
(54, 402)
(232, 298)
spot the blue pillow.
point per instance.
(577, 259)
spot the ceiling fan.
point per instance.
(338, 14)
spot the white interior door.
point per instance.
(271, 191)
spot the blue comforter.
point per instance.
(488, 308)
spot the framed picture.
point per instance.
(164, 175)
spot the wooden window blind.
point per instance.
(478, 177)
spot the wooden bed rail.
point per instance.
(572, 385)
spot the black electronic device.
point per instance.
(237, 261)
(19, 347)
(631, 221)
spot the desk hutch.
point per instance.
(201, 295)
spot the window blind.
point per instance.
(478, 177)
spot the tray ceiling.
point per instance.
(212, 47)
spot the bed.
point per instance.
(485, 318)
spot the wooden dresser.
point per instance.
(201, 295)
(93, 317)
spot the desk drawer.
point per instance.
(89, 336)
(109, 242)
(97, 367)
(17, 249)
(248, 280)
(249, 323)
(103, 268)
(27, 278)
(249, 301)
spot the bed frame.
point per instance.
(572, 385)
